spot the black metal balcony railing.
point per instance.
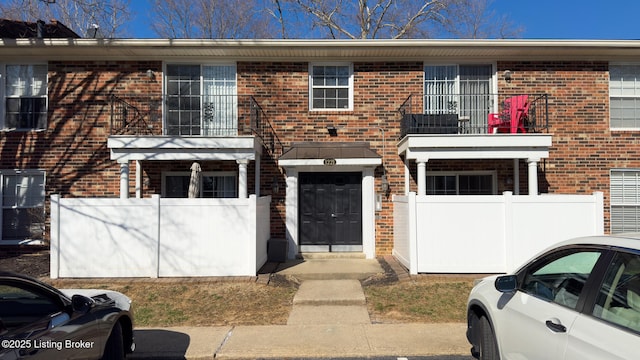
(474, 114)
(206, 115)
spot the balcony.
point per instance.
(193, 116)
(474, 114)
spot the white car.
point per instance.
(579, 300)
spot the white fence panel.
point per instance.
(460, 233)
(158, 237)
(401, 230)
(104, 238)
(205, 237)
(541, 221)
(262, 230)
(488, 234)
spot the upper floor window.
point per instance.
(624, 93)
(201, 100)
(25, 92)
(460, 91)
(331, 86)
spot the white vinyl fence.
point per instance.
(158, 237)
(487, 234)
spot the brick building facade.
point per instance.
(88, 81)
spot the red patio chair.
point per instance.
(512, 117)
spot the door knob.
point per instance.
(334, 215)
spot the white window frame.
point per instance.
(40, 206)
(203, 174)
(474, 115)
(457, 174)
(349, 87)
(614, 95)
(624, 194)
(231, 106)
(4, 94)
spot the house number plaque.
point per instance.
(329, 162)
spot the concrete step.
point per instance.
(331, 268)
(331, 255)
(328, 315)
(329, 292)
(325, 302)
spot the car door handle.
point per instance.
(559, 328)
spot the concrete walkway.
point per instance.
(329, 318)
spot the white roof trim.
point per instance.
(316, 50)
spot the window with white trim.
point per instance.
(331, 86)
(23, 215)
(201, 100)
(460, 89)
(462, 183)
(25, 97)
(625, 200)
(212, 185)
(624, 96)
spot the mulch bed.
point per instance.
(33, 264)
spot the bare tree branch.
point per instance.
(474, 19)
(78, 15)
(212, 19)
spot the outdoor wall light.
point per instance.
(384, 184)
(333, 131)
(150, 74)
(507, 75)
(274, 186)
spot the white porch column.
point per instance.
(242, 178)
(533, 176)
(516, 176)
(124, 179)
(422, 176)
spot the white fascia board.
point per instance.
(170, 142)
(129, 148)
(484, 146)
(166, 155)
(431, 154)
(339, 162)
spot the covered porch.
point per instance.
(241, 150)
(492, 233)
(420, 149)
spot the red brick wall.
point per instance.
(584, 148)
(74, 154)
(73, 150)
(282, 90)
